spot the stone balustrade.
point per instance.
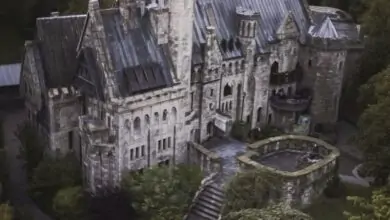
(208, 160)
(301, 186)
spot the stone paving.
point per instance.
(17, 182)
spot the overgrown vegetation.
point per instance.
(163, 193)
(32, 148)
(251, 190)
(248, 196)
(377, 207)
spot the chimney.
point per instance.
(54, 14)
(128, 10)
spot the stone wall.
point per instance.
(302, 187)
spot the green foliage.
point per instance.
(273, 212)
(240, 130)
(31, 146)
(373, 137)
(376, 208)
(56, 173)
(68, 203)
(251, 190)
(6, 212)
(52, 175)
(265, 133)
(163, 193)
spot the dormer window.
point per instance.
(231, 44)
(223, 45)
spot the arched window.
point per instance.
(174, 113)
(248, 29)
(137, 124)
(165, 115)
(156, 117)
(309, 63)
(227, 90)
(258, 115)
(210, 128)
(147, 120)
(231, 44)
(230, 67)
(275, 67)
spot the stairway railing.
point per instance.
(205, 182)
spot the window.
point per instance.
(164, 144)
(137, 124)
(169, 142)
(136, 152)
(223, 107)
(309, 63)
(142, 150)
(156, 117)
(159, 146)
(131, 154)
(174, 113)
(165, 115)
(230, 105)
(192, 101)
(227, 90)
(211, 92)
(275, 67)
(147, 120)
(259, 114)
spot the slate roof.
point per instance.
(222, 15)
(10, 74)
(141, 64)
(57, 38)
(332, 23)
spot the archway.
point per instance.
(210, 128)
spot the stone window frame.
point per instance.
(137, 125)
(165, 115)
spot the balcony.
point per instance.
(291, 104)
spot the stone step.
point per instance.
(215, 191)
(205, 212)
(209, 196)
(209, 203)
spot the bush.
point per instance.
(335, 188)
(264, 133)
(251, 190)
(31, 146)
(69, 203)
(163, 192)
(240, 130)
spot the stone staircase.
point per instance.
(209, 203)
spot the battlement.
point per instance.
(63, 93)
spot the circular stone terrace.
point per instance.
(304, 163)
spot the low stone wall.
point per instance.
(208, 160)
(302, 186)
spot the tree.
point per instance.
(56, 174)
(31, 146)
(163, 193)
(110, 205)
(6, 212)
(251, 190)
(373, 137)
(273, 212)
(375, 208)
(69, 203)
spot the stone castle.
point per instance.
(129, 87)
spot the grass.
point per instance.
(11, 45)
(332, 209)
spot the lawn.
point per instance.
(332, 209)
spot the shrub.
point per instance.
(240, 130)
(335, 188)
(69, 203)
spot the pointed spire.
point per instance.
(93, 5)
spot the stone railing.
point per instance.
(205, 182)
(289, 104)
(301, 186)
(208, 160)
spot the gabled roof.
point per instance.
(272, 12)
(57, 37)
(135, 52)
(332, 23)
